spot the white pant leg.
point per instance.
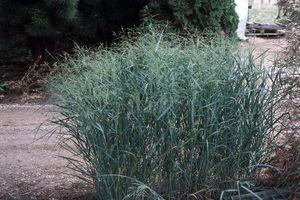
(241, 9)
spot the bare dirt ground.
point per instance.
(31, 168)
(266, 50)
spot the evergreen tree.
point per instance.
(40, 21)
(205, 15)
(100, 18)
(45, 23)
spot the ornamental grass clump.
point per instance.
(164, 117)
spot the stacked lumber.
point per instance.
(265, 29)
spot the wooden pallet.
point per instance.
(258, 29)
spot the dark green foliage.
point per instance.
(46, 23)
(38, 23)
(198, 14)
(100, 18)
(2, 87)
(50, 24)
(36, 18)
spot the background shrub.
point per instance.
(166, 117)
(290, 9)
(50, 25)
(287, 152)
(213, 16)
(37, 23)
(46, 24)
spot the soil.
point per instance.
(269, 49)
(30, 167)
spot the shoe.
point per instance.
(243, 39)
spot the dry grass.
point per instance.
(265, 13)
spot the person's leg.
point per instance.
(241, 29)
(242, 12)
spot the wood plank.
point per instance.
(266, 29)
(265, 26)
